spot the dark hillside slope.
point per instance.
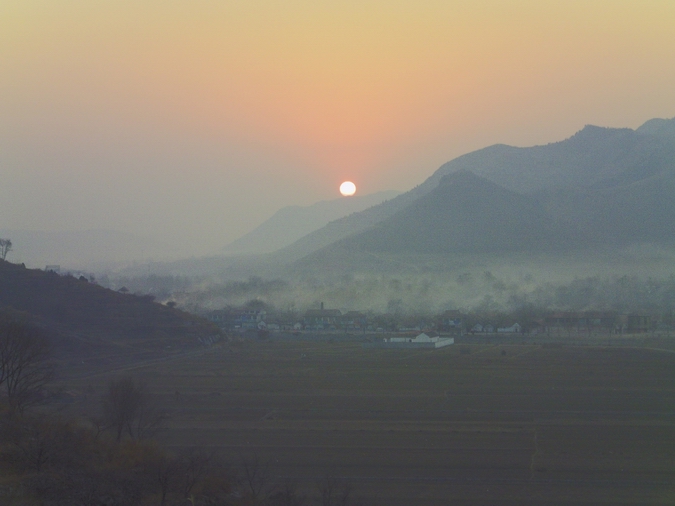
(87, 314)
(463, 214)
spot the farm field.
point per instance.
(466, 424)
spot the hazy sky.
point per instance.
(198, 119)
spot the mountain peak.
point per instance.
(462, 178)
(658, 127)
(592, 133)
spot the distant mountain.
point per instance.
(629, 211)
(600, 185)
(659, 127)
(348, 225)
(83, 249)
(589, 157)
(291, 223)
(465, 213)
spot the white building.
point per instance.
(423, 340)
(515, 328)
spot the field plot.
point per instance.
(468, 424)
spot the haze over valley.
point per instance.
(596, 205)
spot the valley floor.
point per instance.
(481, 422)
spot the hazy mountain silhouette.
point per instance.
(589, 157)
(465, 213)
(636, 211)
(291, 223)
(602, 185)
(343, 227)
(659, 127)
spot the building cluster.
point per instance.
(320, 320)
(451, 322)
(573, 323)
(596, 322)
(314, 320)
(423, 340)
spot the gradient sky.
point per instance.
(195, 121)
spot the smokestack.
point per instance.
(322, 306)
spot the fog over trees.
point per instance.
(409, 297)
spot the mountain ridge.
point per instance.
(595, 159)
(465, 213)
(294, 222)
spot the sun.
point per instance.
(347, 189)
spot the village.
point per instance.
(265, 320)
(260, 319)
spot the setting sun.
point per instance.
(347, 189)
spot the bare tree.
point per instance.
(5, 247)
(167, 474)
(287, 494)
(181, 477)
(255, 481)
(333, 492)
(149, 421)
(39, 441)
(25, 368)
(127, 409)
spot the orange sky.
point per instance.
(204, 117)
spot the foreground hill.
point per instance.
(85, 319)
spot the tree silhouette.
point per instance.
(5, 247)
(24, 362)
(127, 409)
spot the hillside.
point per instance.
(86, 320)
(640, 211)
